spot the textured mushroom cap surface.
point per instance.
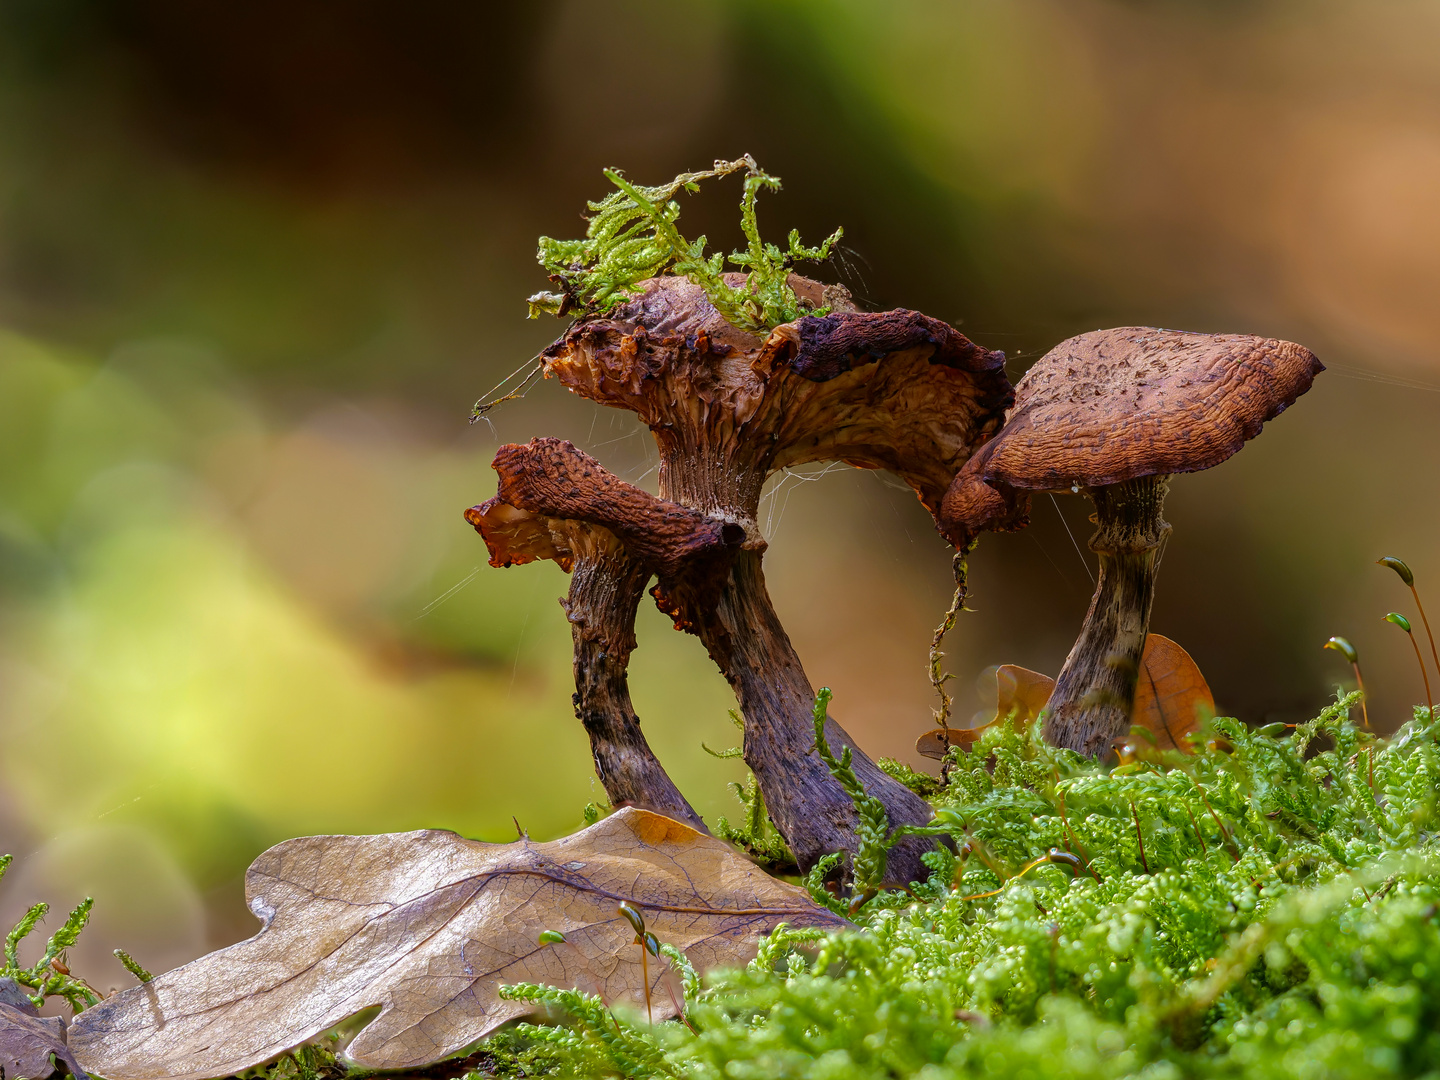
(551, 477)
(1116, 405)
(972, 506)
(515, 537)
(891, 390)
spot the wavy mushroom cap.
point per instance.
(971, 506)
(893, 390)
(515, 537)
(1117, 405)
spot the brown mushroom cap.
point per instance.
(555, 479)
(557, 502)
(894, 390)
(972, 506)
(1117, 405)
(515, 537)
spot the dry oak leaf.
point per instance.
(427, 925)
(1172, 699)
(1020, 695)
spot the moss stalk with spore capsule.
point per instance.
(1345, 649)
(1404, 624)
(1405, 574)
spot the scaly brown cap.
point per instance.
(1117, 405)
(972, 506)
(895, 390)
(556, 502)
(515, 537)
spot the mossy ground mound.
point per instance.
(1266, 906)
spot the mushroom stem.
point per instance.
(808, 806)
(1095, 692)
(605, 592)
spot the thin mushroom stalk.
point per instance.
(607, 583)
(601, 605)
(1095, 693)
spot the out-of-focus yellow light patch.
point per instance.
(177, 663)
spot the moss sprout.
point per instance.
(632, 236)
(49, 976)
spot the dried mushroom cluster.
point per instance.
(894, 390)
(1114, 413)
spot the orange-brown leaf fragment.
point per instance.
(1020, 694)
(428, 925)
(1172, 698)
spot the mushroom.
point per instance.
(896, 390)
(556, 503)
(1117, 413)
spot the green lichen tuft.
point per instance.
(633, 236)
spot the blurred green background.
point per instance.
(257, 260)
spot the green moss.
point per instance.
(633, 235)
(48, 976)
(1281, 921)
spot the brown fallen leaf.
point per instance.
(1020, 695)
(427, 925)
(28, 1040)
(1172, 698)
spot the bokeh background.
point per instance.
(257, 260)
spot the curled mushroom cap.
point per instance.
(555, 479)
(972, 506)
(895, 390)
(515, 537)
(1117, 405)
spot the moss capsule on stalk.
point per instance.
(1345, 649)
(649, 945)
(1398, 565)
(1404, 624)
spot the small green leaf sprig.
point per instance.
(756, 835)
(872, 828)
